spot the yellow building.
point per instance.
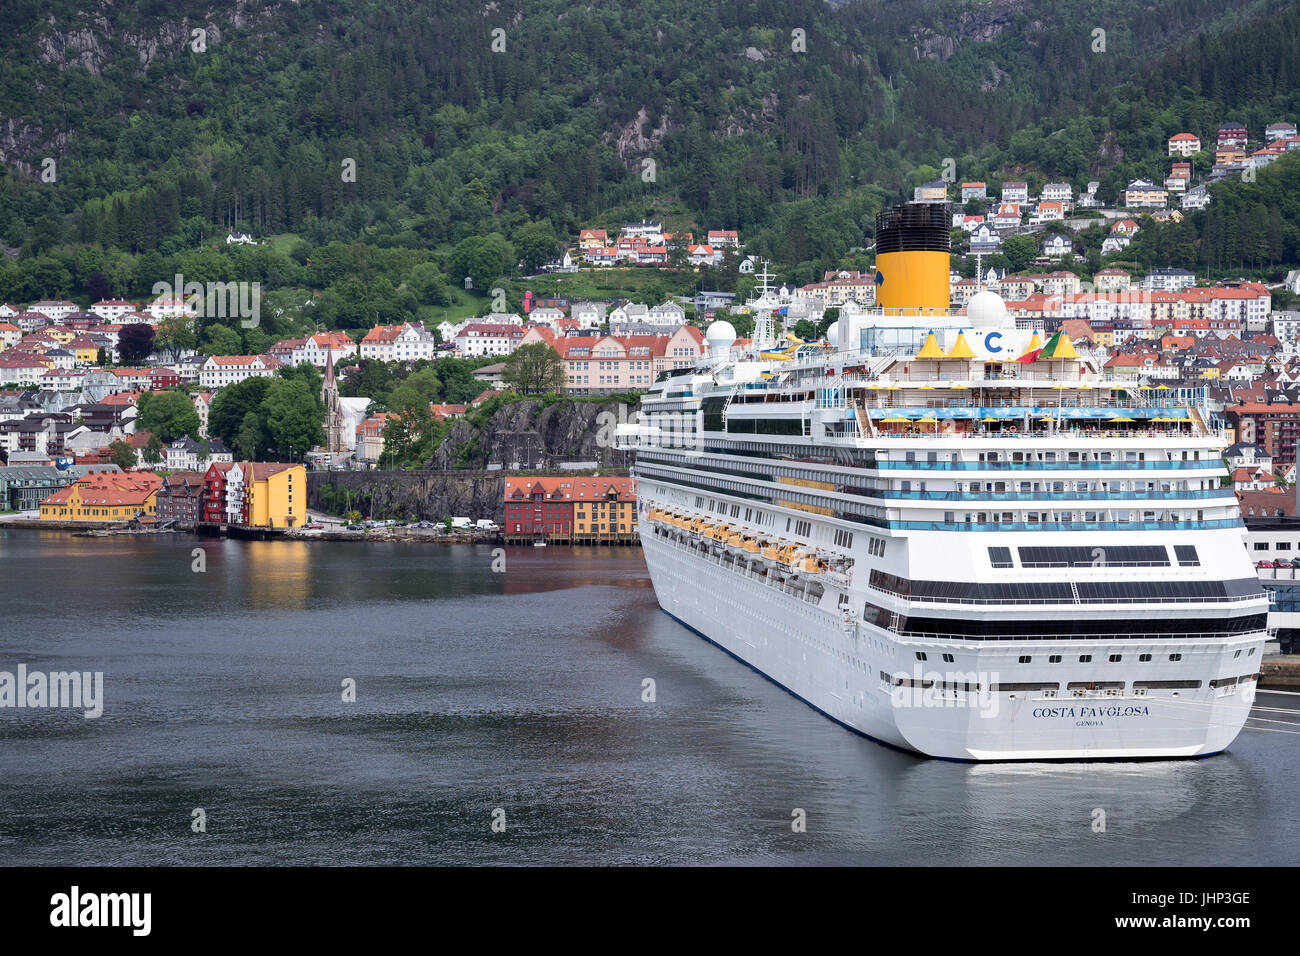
(104, 496)
(604, 509)
(275, 495)
(86, 350)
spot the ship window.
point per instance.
(1026, 659)
(1000, 557)
(1283, 546)
(1186, 554)
(1085, 658)
(1143, 658)
(1115, 658)
(947, 658)
(1261, 545)
(920, 655)
(1175, 657)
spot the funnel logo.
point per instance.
(880, 278)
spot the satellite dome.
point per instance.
(720, 332)
(986, 310)
(833, 333)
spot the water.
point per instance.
(521, 691)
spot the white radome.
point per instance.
(720, 334)
(986, 310)
(833, 334)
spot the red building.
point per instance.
(214, 492)
(539, 507)
(161, 379)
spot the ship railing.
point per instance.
(1065, 639)
(1035, 435)
(1063, 602)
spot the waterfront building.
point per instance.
(104, 496)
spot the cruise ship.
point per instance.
(952, 535)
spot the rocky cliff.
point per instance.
(533, 434)
(464, 476)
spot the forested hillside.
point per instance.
(790, 120)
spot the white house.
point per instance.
(1057, 247)
(489, 338)
(318, 349)
(110, 310)
(1058, 192)
(56, 310)
(667, 314)
(629, 313)
(220, 370)
(1015, 192)
(409, 342)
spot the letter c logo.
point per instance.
(988, 342)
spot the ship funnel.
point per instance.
(912, 257)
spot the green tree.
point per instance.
(1020, 251)
(293, 418)
(232, 404)
(153, 450)
(534, 369)
(221, 340)
(429, 285)
(536, 246)
(247, 442)
(169, 415)
(122, 454)
(174, 336)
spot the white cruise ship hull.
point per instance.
(835, 667)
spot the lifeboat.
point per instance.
(811, 566)
(719, 535)
(770, 553)
(696, 526)
(788, 557)
(752, 547)
(734, 542)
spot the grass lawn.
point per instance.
(284, 242)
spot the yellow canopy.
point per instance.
(960, 350)
(1064, 350)
(990, 419)
(895, 421)
(929, 420)
(930, 350)
(1121, 418)
(1034, 343)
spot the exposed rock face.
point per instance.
(527, 435)
(977, 25)
(1109, 153)
(632, 139)
(419, 495)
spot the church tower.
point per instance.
(329, 393)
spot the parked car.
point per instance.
(314, 527)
